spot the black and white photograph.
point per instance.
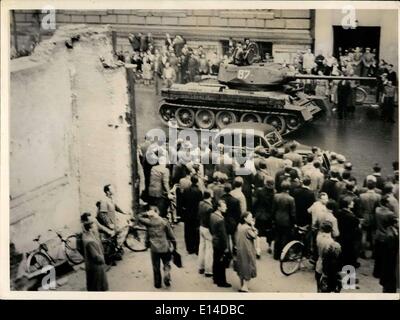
(212, 147)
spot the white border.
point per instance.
(6, 5)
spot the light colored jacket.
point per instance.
(159, 181)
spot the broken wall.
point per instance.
(68, 134)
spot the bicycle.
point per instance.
(136, 238)
(41, 257)
(293, 255)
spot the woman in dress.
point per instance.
(245, 265)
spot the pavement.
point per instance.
(134, 273)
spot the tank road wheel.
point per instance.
(205, 119)
(166, 113)
(361, 95)
(293, 122)
(276, 121)
(224, 118)
(185, 117)
(250, 117)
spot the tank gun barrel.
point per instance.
(316, 77)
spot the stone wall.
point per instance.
(68, 134)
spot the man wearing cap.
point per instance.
(380, 181)
(284, 217)
(96, 278)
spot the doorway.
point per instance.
(363, 37)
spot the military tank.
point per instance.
(250, 91)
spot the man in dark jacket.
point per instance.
(232, 213)
(191, 199)
(332, 186)
(205, 247)
(220, 244)
(284, 216)
(304, 198)
(161, 238)
(349, 232)
(264, 196)
(96, 277)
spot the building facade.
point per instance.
(279, 32)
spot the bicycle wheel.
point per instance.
(361, 95)
(71, 250)
(291, 257)
(136, 240)
(37, 261)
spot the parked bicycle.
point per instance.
(42, 257)
(294, 254)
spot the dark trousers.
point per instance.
(218, 267)
(282, 237)
(161, 203)
(156, 259)
(318, 279)
(388, 109)
(378, 255)
(192, 236)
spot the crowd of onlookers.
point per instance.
(351, 62)
(226, 213)
(173, 62)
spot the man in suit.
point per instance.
(233, 211)
(159, 186)
(284, 216)
(191, 199)
(161, 238)
(332, 187)
(96, 277)
(304, 198)
(220, 244)
(380, 181)
(205, 247)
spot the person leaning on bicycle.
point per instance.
(108, 216)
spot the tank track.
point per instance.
(207, 117)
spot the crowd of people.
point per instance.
(225, 214)
(357, 62)
(173, 62)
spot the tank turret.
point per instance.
(247, 90)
